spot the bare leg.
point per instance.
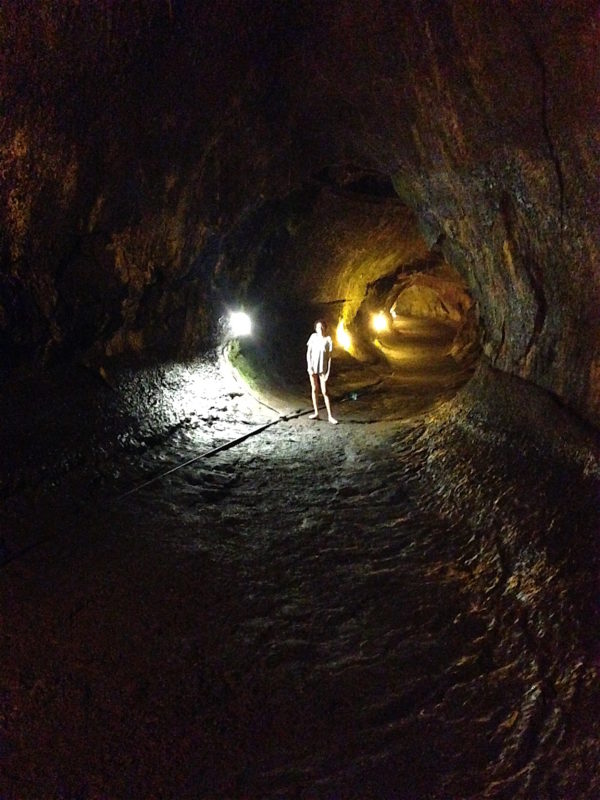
(313, 393)
(326, 399)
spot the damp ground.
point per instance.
(400, 606)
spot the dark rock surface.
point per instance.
(135, 137)
(400, 606)
(387, 608)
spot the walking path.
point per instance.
(400, 608)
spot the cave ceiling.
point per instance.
(140, 141)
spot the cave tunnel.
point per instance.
(346, 250)
(205, 592)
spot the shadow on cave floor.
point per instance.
(401, 609)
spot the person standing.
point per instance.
(318, 362)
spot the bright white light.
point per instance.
(379, 322)
(342, 336)
(240, 324)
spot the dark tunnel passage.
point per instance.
(204, 591)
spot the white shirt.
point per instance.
(318, 354)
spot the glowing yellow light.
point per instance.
(379, 322)
(240, 324)
(342, 336)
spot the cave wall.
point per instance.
(135, 135)
(486, 116)
(346, 242)
(129, 139)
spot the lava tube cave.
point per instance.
(205, 591)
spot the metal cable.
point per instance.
(225, 446)
(214, 450)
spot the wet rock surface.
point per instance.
(402, 608)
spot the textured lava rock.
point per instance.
(135, 136)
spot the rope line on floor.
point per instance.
(233, 442)
(10, 558)
(215, 450)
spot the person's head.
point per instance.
(321, 327)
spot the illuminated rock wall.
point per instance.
(136, 136)
(485, 114)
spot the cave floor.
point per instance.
(400, 606)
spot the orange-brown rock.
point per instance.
(136, 138)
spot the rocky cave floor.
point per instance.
(400, 606)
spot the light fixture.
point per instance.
(379, 322)
(240, 324)
(342, 336)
